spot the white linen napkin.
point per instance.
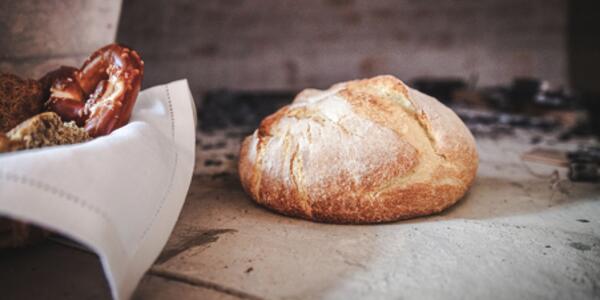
(120, 194)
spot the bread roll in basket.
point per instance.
(363, 151)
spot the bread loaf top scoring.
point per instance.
(362, 151)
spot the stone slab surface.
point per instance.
(523, 231)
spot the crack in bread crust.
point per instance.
(363, 151)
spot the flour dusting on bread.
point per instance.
(363, 151)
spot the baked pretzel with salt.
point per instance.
(101, 94)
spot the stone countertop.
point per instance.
(523, 231)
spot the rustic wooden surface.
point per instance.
(523, 231)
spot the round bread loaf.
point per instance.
(363, 151)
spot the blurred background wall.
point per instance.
(38, 36)
(584, 45)
(287, 44)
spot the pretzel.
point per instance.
(100, 95)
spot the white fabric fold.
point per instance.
(121, 194)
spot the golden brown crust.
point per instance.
(20, 99)
(364, 151)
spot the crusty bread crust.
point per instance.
(363, 151)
